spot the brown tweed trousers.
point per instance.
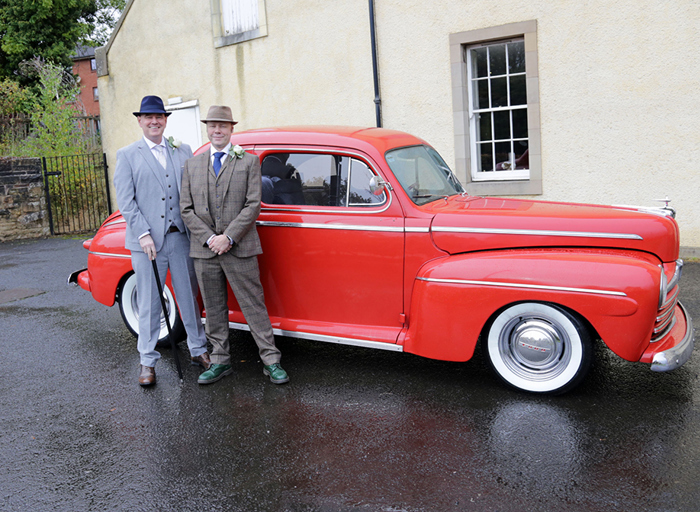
(227, 204)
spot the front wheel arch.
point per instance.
(538, 347)
(128, 307)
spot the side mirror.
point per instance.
(377, 185)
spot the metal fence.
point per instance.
(77, 192)
(18, 127)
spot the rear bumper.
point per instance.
(81, 278)
(677, 355)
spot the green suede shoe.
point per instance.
(214, 373)
(276, 373)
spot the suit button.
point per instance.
(163, 198)
(162, 216)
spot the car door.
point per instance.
(332, 262)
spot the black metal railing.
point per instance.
(77, 192)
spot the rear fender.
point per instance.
(454, 297)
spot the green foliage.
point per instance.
(106, 17)
(14, 98)
(55, 130)
(42, 28)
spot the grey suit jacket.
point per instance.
(240, 183)
(140, 185)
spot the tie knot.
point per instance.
(219, 154)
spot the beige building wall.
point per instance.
(617, 82)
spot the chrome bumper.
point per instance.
(677, 356)
(73, 278)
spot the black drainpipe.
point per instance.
(375, 72)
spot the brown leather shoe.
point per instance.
(202, 360)
(147, 376)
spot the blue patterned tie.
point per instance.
(217, 161)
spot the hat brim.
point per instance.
(218, 120)
(166, 114)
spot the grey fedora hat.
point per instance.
(220, 113)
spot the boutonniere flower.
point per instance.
(174, 143)
(236, 151)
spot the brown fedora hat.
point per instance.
(220, 113)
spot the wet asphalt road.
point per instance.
(355, 429)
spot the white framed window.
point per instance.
(496, 107)
(93, 65)
(235, 21)
(498, 110)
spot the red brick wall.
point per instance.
(88, 81)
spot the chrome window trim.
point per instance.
(345, 227)
(382, 207)
(521, 285)
(537, 232)
(110, 254)
(393, 347)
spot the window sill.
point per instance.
(240, 37)
(504, 188)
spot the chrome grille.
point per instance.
(665, 319)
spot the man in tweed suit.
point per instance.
(147, 181)
(220, 202)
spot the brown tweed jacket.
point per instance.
(233, 212)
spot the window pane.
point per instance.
(499, 93)
(497, 59)
(516, 57)
(501, 124)
(520, 123)
(299, 179)
(518, 94)
(502, 154)
(479, 62)
(484, 121)
(482, 87)
(360, 194)
(485, 157)
(521, 154)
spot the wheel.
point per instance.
(539, 348)
(129, 309)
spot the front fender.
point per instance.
(617, 292)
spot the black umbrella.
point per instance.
(167, 319)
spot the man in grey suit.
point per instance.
(147, 180)
(220, 202)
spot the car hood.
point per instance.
(465, 224)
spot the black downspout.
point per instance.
(375, 72)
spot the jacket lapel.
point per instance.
(153, 164)
(226, 174)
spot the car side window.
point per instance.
(317, 179)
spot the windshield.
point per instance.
(423, 174)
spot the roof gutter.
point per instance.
(375, 71)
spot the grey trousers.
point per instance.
(243, 275)
(174, 255)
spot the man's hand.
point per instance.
(148, 246)
(220, 244)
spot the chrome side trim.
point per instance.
(521, 285)
(417, 230)
(677, 356)
(110, 254)
(538, 232)
(344, 227)
(118, 221)
(328, 339)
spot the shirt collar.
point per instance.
(151, 144)
(225, 151)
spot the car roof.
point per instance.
(379, 139)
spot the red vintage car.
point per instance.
(370, 240)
